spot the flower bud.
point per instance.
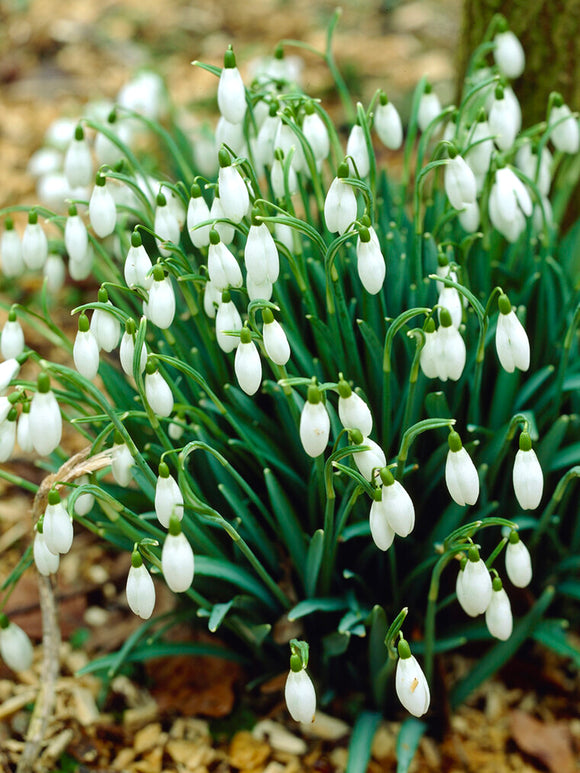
(137, 269)
(15, 647)
(508, 54)
(45, 419)
(340, 205)
(140, 590)
(127, 350)
(8, 435)
(410, 682)
(368, 462)
(177, 559)
(475, 585)
(227, 320)
(105, 326)
(46, 562)
(511, 340)
(197, 212)
(275, 339)
(78, 163)
(12, 338)
(166, 225)
(233, 193)
(498, 615)
(460, 473)
(381, 530)
(528, 478)
(565, 133)
(356, 148)
(34, 244)
(161, 303)
(370, 261)
(102, 209)
(397, 505)
(11, 251)
(121, 463)
(86, 350)
(429, 108)
(158, 393)
(314, 423)
(518, 563)
(353, 412)
(388, 124)
(247, 364)
(168, 497)
(57, 525)
(231, 94)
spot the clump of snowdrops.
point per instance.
(337, 409)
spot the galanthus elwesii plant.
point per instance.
(288, 375)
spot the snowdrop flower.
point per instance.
(470, 217)
(234, 194)
(527, 475)
(8, 435)
(564, 128)
(86, 350)
(264, 144)
(140, 590)
(177, 560)
(127, 349)
(223, 268)
(76, 238)
(509, 204)
(227, 321)
(285, 235)
(450, 299)
(478, 155)
(260, 253)
(508, 54)
(144, 94)
(12, 338)
(278, 176)
(197, 212)
(536, 167)
(475, 584)
(54, 272)
(106, 151)
(102, 209)
(11, 250)
(168, 497)
(460, 473)
(84, 502)
(231, 94)
(410, 682)
(23, 433)
(225, 230)
(287, 141)
(314, 423)
(430, 356)
(357, 152)
(368, 462)
(230, 134)
(340, 205)
(46, 562)
(157, 391)
(176, 428)
(8, 370)
(397, 505)
(511, 339)
(429, 108)
(387, 123)
(498, 615)
(45, 419)
(211, 299)
(316, 133)
(105, 326)
(34, 243)
(459, 181)
(166, 225)
(299, 690)
(121, 462)
(78, 163)
(274, 339)
(161, 302)
(518, 563)
(57, 525)
(451, 349)
(381, 530)
(353, 412)
(371, 265)
(247, 363)
(504, 119)
(137, 268)
(80, 269)
(15, 647)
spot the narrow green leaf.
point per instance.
(224, 570)
(570, 588)
(288, 523)
(377, 653)
(410, 734)
(551, 634)
(361, 741)
(313, 560)
(567, 457)
(307, 607)
(218, 613)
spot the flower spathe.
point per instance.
(140, 590)
(460, 473)
(528, 478)
(410, 682)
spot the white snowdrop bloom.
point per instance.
(511, 340)
(227, 320)
(137, 268)
(161, 303)
(12, 337)
(381, 530)
(368, 462)
(233, 190)
(177, 559)
(450, 299)
(459, 586)
(76, 238)
(277, 176)
(86, 350)
(459, 180)
(528, 478)
(371, 264)
(223, 268)
(300, 695)
(478, 156)
(11, 251)
(230, 134)
(5, 407)
(34, 243)
(284, 235)
(475, 584)
(84, 502)
(504, 119)
(197, 212)
(211, 299)
(80, 269)
(498, 615)
(261, 254)
(316, 133)
(353, 412)
(15, 647)
(166, 225)
(452, 352)
(140, 590)
(78, 162)
(54, 273)
(121, 462)
(23, 433)
(168, 497)
(46, 562)
(410, 682)
(429, 108)
(231, 94)
(258, 290)
(127, 350)
(45, 161)
(397, 505)
(106, 151)
(105, 326)
(451, 129)
(564, 128)
(225, 230)
(340, 205)
(275, 339)
(45, 419)
(57, 525)
(460, 473)
(8, 436)
(357, 151)
(518, 563)
(144, 94)
(387, 123)
(158, 392)
(287, 141)
(9, 369)
(508, 207)
(176, 429)
(430, 356)
(247, 363)
(314, 423)
(102, 209)
(470, 217)
(537, 168)
(264, 144)
(508, 54)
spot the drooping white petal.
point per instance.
(300, 696)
